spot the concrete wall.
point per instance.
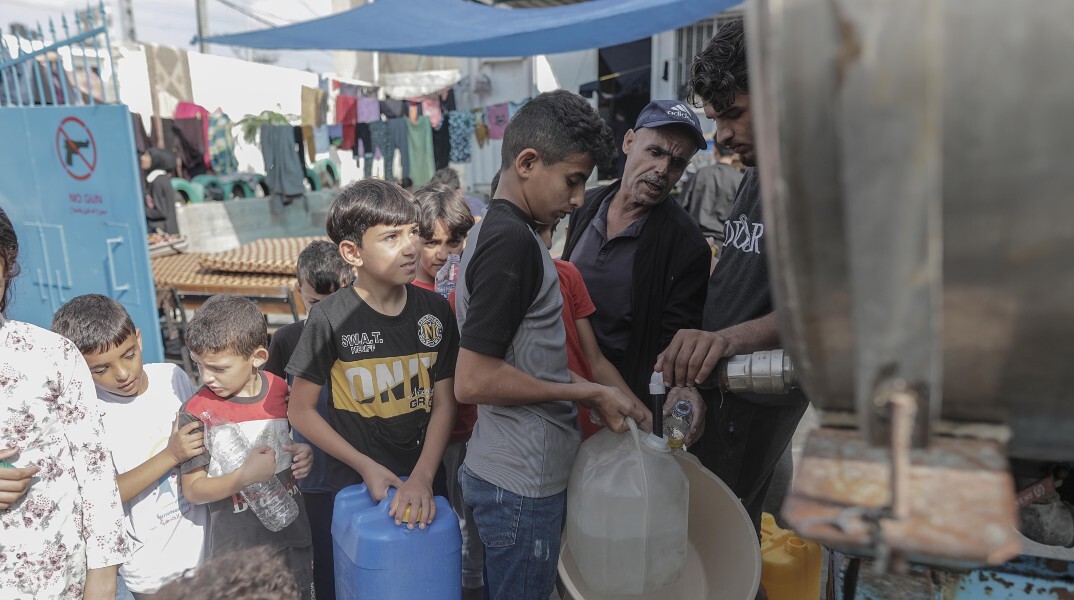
(220, 226)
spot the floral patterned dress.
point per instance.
(71, 518)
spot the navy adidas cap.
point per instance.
(659, 113)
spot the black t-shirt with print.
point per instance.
(381, 370)
(739, 289)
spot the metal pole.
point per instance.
(85, 63)
(75, 92)
(7, 73)
(50, 88)
(36, 74)
(97, 51)
(61, 72)
(111, 61)
(202, 12)
(126, 20)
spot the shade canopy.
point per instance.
(465, 28)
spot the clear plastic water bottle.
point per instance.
(448, 275)
(677, 424)
(269, 500)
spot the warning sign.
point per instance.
(76, 149)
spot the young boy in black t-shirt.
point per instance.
(388, 350)
(321, 272)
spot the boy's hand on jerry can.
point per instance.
(301, 459)
(413, 503)
(186, 442)
(378, 479)
(259, 466)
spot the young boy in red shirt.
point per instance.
(444, 219)
(583, 354)
(227, 338)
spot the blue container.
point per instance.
(379, 560)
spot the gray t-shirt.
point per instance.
(509, 306)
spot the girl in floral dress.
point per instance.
(61, 521)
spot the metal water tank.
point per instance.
(917, 166)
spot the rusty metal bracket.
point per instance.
(958, 494)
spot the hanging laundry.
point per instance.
(169, 78)
(363, 149)
(347, 116)
(307, 141)
(413, 110)
(399, 136)
(222, 144)
(189, 110)
(441, 146)
(514, 106)
(346, 110)
(461, 91)
(162, 134)
(357, 91)
(284, 173)
(481, 128)
(191, 146)
(447, 100)
(430, 107)
(335, 135)
(498, 116)
(420, 142)
(482, 84)
(382, 142)
(300, 145)
(141, 140)
(312, 100)
(368, 110)
(461, 129)
(392, 109)
(320, 139)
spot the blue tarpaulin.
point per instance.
(464, 28)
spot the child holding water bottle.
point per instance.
(227, 338)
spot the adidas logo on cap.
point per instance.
(679, 111)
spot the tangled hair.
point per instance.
(227, 323)
(368, 203)
(9, 252)
(558, 124)
(440, 203)
(321, 266)
(446, 177)
(95, 323)
(256, 573)
(719, 72)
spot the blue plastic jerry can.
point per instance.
(376, 559)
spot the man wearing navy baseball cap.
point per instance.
(642, 257)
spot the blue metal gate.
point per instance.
(70, 180)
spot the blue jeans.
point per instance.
(521, 537)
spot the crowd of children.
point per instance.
(386, 382)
